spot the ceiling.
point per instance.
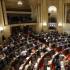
(12, 5)
(28, 5)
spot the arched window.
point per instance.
(52, 9)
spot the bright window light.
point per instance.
(52, 9)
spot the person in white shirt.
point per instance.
(23, 53)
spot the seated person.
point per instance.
(55, 63)
(66, 52)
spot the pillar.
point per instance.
(42, 16)
(45, 16)
(7, 31)
(60, 16)
(1, 22)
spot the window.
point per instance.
(52, 9)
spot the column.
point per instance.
(42, 16)
(38, 25)
(60, 16)
(7, 31)
(1, 22)
(45, 16)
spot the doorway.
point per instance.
(52, 18)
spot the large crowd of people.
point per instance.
(36, 51)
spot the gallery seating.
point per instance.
(38, 51)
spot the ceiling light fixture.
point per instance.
(20, 3)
